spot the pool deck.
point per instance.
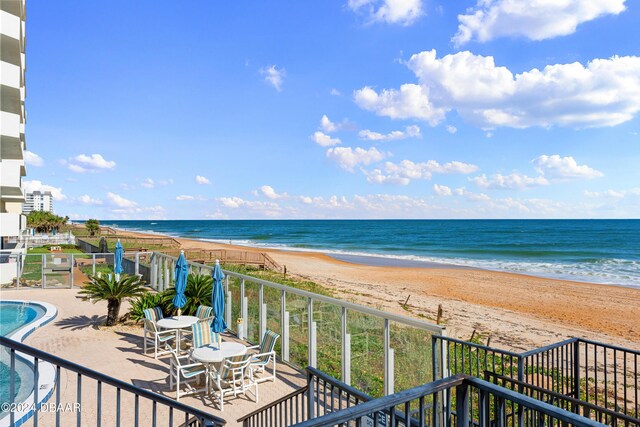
(75, 334)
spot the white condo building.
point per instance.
(38, 201)
(12, 142)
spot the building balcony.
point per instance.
(11, 224)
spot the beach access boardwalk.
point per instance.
(75, 335)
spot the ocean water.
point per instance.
(598, 251)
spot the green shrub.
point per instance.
(144, 301)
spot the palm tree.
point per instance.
(113, 291)
(197, 292)
(93, 226)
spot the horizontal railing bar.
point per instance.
(569, 399)
(39, 354)
(548, 347)
(479, 346)
(531, 403)
(609, 346)
(383, 403)
(322, 298)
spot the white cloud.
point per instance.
(412, 131)
(274, 76)
(410, 102)
(335, 92)
(556, 167)
(327, 125)
(451, 129)
(533, 19)
(324, 140)
(202, 180)
(268, 192)
(184, 197)
(348, 158)
(605, 92)
(35, 185)
(92, 163)
(404, 172)
(513, 181)
(550, 168)
(148, 183)
(267, 209)
(402, 12)
(32, 159)
(88, 200)
(441, 190)
(119, 201)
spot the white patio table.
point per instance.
(210, 354)
(178, 323)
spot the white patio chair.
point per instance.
(187, 374)
(157, 337)
(233, 378)
(266, 354)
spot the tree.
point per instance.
(113, 291)
(44, 221)
(93, 226)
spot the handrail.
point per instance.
(610, 346)
(384, 403)
(569, 399)
(83, 370)
(322, 298)
(548, 347)
(479, 346)
(531, 403)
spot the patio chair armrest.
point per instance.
(192, 365)
(253, 347)
(268, 353)
(167, 331)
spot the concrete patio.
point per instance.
(76, 335)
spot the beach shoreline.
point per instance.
(517, 311)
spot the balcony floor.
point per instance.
(75, 335)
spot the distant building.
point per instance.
(38, 201)
(12, 145)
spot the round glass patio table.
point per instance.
(178, 323)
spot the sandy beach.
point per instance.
(515, 311)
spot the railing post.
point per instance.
(312, 334)
(434, 372)
(243, 311)
(521, 375)
(137, 268)
(152, 272)
(576, 369)
(284, 314)
(346, 349)
(44, 276)
(388, 360)
(462, 405)
(484, 410)
(310, 397)
(262, 309)
(71, 276)
(93, 264)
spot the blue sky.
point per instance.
(335, 109)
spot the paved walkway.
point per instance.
(75, 335)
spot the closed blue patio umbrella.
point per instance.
(182, 271)
(217, 301)
(119, 253)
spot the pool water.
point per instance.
(13, 316)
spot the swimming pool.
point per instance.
(17, 320)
